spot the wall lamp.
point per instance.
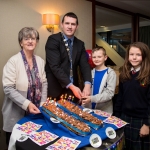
(50, 20)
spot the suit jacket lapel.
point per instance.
(75, 49)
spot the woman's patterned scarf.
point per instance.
(34, 87)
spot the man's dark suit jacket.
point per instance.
(58, 65)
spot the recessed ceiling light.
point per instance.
(102, 26)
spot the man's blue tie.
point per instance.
(70, 51)
(70, 46)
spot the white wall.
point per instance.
(16, 14)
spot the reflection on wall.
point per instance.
(112, 54)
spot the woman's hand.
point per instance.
(33, 109)
(86, 100)
(144, 131)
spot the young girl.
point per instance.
(104, 83)
(133, 101)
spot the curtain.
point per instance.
(144, 35)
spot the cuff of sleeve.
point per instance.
(26, 104)
(146, 122)
(87, 82)
(41, 104)
(68, 85)
(93, 99)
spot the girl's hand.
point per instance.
(86, 100)
(144, 131)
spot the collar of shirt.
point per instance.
(69, 38)
(135, 70)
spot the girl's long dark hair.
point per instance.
(144, 74)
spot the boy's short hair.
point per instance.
(97, 48)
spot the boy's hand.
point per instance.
(86, 100)
(144, 131)
(87, 90)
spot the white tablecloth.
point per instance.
(16, 134)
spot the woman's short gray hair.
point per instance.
(27, 32)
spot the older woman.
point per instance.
(24, 81)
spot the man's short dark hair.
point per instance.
(72, 15)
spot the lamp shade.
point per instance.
(50, 19)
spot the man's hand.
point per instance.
(144, 131)
(87, 90)
(76, 91)
(33, 109)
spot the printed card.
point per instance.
(64, 143)
(43, 137)
(116, 121)
(102, 113)
(28, 127)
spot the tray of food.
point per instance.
(51, 109)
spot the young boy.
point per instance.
(104, 83)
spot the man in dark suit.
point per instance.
(63, 59)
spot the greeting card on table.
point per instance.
(42, 137)
(116, 121)
(64, 143)
(102, 113)
(28, 127)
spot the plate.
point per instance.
(110, 132)
(95, 140)
(87, 110)
(54, 120)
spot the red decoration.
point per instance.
(89, 56)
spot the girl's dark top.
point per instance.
(133, 99)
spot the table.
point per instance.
(107, 143)
(61, 130)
